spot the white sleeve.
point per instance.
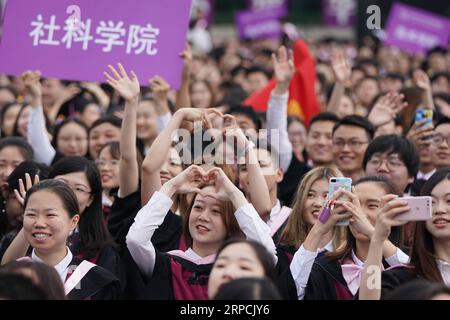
(277, 120)
(162, 121)
(255, 228)
(399, 257)
(139, 237)
(300, 267)
(37, 137)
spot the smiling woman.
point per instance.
(51, 213)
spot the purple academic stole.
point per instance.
(186, 286)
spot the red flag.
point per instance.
(302, 94)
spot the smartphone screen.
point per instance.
(335, 184)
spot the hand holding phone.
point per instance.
(335, 184)
(424, 114)
(420, 209)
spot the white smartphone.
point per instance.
(421, 209)
(335, 184)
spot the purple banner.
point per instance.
(257, 24)
(339, 13)
(415, 30)
(77, 39)
(265, 4)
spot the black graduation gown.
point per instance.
(326, 281)
(97, 284)
(173, 278)
(393, 278)
(121, 217)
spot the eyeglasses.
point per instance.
(111, 163)
(352, 144)
(392, 164)
(438, 139)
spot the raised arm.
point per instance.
(160, 89)
(248, 219)
(278, 103)
(370, 285)
(37, 132)
(258, 189)
(160, 148)
(152, 215)
(422, 80)
(183, 99)
(128, 88)
(342, 72)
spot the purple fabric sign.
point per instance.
(339, 13)
(77, 39)
(415, 30)
(256, 24)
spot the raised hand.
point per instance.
(386, 108)
(341, 67)
(21, 193)
(359, 219)
(31, 80)
(390, 207)
(128, 87)
(420, 131)
(421, 79)
(224, 188)
(283, 67)
(195, 115)
(160, 88)
(186, 55)
(187, 181)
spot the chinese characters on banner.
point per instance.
(143, 35)
(415, 30)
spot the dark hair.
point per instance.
(18, 287)
(422, 251)
(324, 116)
(21, 143)
(437, 75)
(60, 125)
(114, 149)
(4, 110)
(395, 144)
(93, 231)
(30, 167)
(48, 279)
(113, 120)
(395, 76)
(384, 182)
(260, 251)
(442, 120)
(356, 121)
(258, 69)
(248, 289)
(418, 289)
(62, 190)
(249, 112)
